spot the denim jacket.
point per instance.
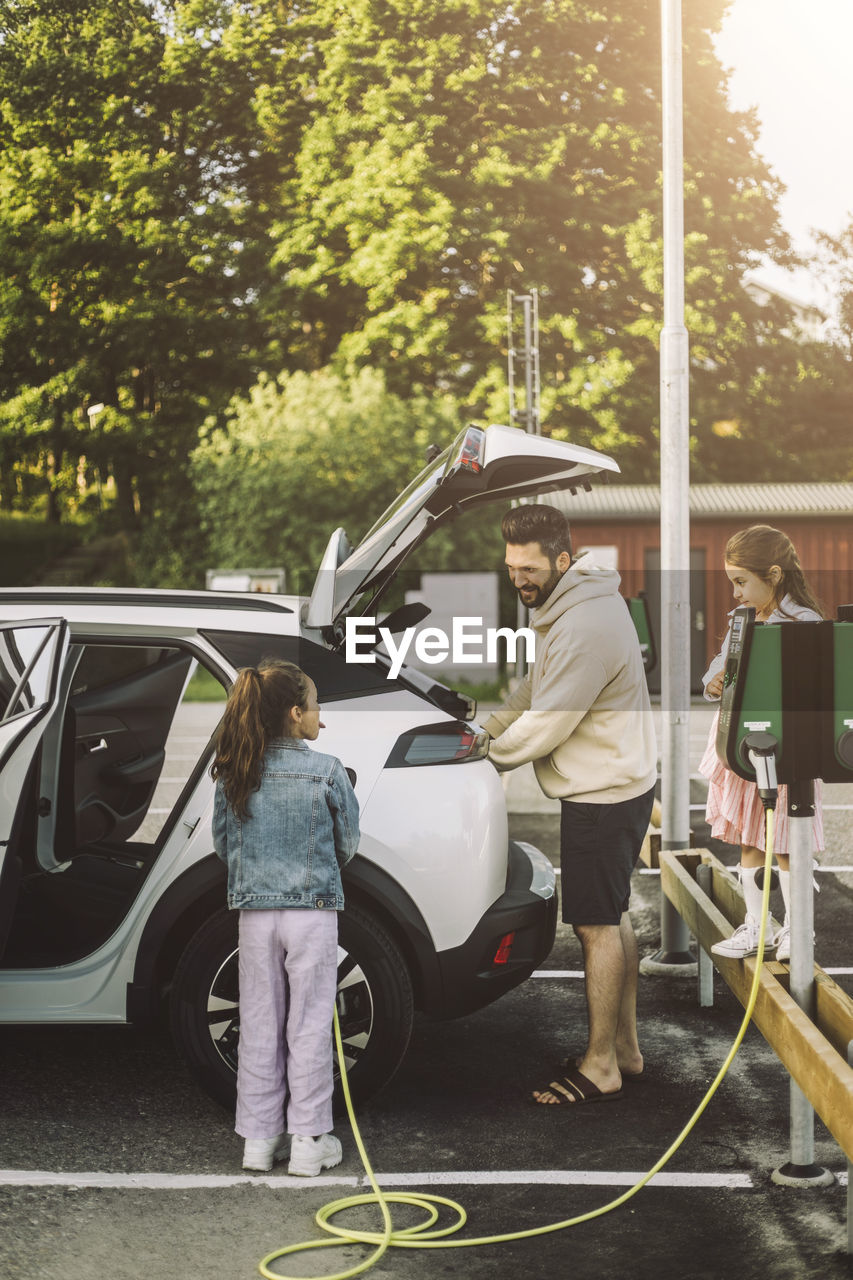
(302, 828)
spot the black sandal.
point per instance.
(577, 1089)
(628, 1077)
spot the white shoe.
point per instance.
(309, 1155)
(260, 1153)
(744, 941)
(783, 943)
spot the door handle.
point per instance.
(97, 746)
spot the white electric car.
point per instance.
(112, 901)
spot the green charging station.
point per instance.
(843, 679)
(638, 607)
(796, 683)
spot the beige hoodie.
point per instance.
(582, 715)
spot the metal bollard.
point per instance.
(801, 1170)
(704, 878)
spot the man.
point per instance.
(583, 717)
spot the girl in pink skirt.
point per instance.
(764, 570)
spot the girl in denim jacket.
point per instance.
(285, 821)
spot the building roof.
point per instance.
(642, 501)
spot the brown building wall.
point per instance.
(824, 545)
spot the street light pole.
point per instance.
(675, 510)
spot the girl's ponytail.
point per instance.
(799, 589)
(256, 713)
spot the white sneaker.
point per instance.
(309, 1155)
(783, 943)
(259, 1153)
(744, 941)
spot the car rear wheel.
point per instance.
(374, 1002)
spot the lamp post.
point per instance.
(674, 475)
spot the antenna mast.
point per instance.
(528, 354)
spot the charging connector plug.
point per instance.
(761, 751)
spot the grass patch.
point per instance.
(28, 545)
(204, 687)
(491, 691)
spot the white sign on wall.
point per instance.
(459, 595)
(265, 581)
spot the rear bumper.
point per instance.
(473, 974)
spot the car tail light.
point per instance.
(467, 452)
(502, 954)
(452, 742)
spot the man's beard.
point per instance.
(539, 595)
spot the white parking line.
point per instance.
(158, 1181)
(448, 1178)
(565, 1178)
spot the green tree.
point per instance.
(456, 151)
(133, 189)
(194, 193)
(303, 454)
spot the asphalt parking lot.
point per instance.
(112, 1163)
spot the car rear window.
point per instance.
(333, 677)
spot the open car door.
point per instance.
(484, 464)
(31, 657)
(120, 710)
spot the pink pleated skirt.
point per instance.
(734, 810)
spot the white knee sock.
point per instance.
(785, 885)
(751, 892)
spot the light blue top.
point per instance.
(786, 611)
(302, 828)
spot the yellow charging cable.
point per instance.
(418, 1236)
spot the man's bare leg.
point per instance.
(611, 964)
(605, 965)
(628, 1054)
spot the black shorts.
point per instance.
(599, 848)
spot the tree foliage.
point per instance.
(303, 454)
(197, 196)
(457, 151)
(131, 230)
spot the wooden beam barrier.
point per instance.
(650, 849)
(814, 1052)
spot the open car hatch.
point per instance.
(484, 464)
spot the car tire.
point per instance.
(375, 1005)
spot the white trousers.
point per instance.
(288, 977)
